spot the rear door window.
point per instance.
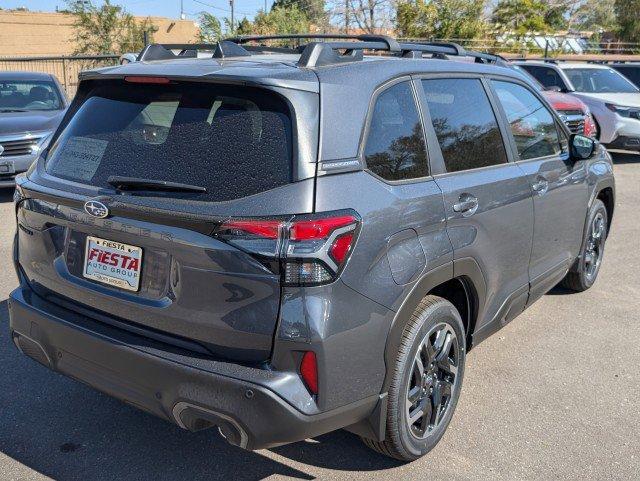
(233, 141)
(532, 125)
(395, 148)
(464, 122)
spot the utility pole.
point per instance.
(265, 6)
(182, 15)
(346, 16)
(231, 4)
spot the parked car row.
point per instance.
(592, 99)
(613, 100)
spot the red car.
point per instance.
(572, 110)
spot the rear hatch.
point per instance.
(132, 216)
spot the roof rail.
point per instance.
(343, 48)
(391, 43)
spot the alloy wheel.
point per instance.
(433, 379)
(594, 248)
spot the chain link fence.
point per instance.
(66, 69)
(539, 45)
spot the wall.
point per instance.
(40, 34)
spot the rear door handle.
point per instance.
(467, 205)
(540, 186)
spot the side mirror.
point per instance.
(582, 147)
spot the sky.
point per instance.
(160, 8)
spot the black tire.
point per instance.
(433, 316)
(585, 270)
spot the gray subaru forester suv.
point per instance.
(282, 242)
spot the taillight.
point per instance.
(311, 249)
(590, 129)
(309, 371)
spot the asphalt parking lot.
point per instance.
(554, 395)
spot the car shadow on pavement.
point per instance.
(6, 195)
(66, 430)
(625, 158)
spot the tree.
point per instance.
(210, 28)
(441, 19)
(596, 15)
(628, 16)
(313, 9)
(107, 29)
(245, 27)
(280, 20)
(371, 15)
(520, 17)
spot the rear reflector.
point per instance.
(309, 371)
(147, 80)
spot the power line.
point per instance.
(222, 9)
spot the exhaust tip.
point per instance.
(195, 418)
(32, 349)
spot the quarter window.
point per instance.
(532, 125)
(395, 148)
(464, 123)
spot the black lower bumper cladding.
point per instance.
(183, 390)
(625, 143)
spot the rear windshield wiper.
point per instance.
(135, 183)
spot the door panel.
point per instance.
(488, 201)
(560, 210)
(558, 184)
(497, 235)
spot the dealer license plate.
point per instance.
(113, 263)
(7, 167)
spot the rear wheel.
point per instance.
(426, 381)
(586, 269)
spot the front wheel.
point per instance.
(426, 381)
(584, 273)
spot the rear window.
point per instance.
(233, 141)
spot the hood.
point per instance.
(560, 101)
(625, 99)
(25, 122)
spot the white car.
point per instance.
(613, 100)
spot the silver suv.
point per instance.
(32, 105)
(282, 243)
(614, 101)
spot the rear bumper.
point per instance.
(7, 181)
(10, 166)
(195, 393)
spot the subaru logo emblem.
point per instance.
(96, 209)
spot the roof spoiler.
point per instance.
(165, 51)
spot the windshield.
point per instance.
(28, 95)
(530, 78)
(599, 81)
(233, 141)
